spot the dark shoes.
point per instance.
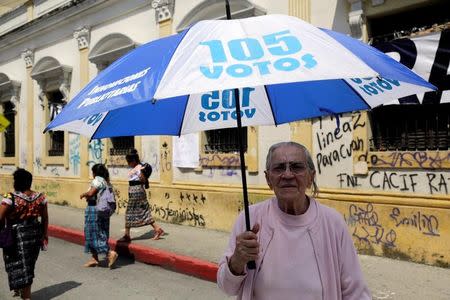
(124, 239)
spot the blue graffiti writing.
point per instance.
(74, 153)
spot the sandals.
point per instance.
(91, 263)
(124, 239)
(158, 234)
(112, 257)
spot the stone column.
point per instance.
(82, 37)
(163, 14)
(28, 56)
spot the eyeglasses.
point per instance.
(295, 168)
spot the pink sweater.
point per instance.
(336, 257)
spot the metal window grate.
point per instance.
(224, 140)
(121, 145)
(55, 105)
(411, 127)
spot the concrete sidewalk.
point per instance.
(190, 250)
(196, 251)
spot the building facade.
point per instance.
(389, 179)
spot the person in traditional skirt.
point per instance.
(96, 223)
(26, 211)
(137, 213)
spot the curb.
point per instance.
(179, 263)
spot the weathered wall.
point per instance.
(399, 208)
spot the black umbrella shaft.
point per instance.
(242, 158)
(227, 8)
(251, 264)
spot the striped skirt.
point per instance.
(96, 231)
(20, 259)
(138, 209)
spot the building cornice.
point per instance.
(49, 20)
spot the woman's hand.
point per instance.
(247, 249)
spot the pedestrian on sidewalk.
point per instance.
(26, 211)
(96, 223)
(138, 213)
(300, 246)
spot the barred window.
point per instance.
(411, 127)
(55, 105)
(224, 140)
(121, 145)
(9, 142)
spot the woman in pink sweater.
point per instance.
(302, 249)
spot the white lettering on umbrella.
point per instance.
(102, 88)
(117, 92)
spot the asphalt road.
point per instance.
(60, 275)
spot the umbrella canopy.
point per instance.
(285, 68)
(263, 70)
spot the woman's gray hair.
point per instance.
(309, 161)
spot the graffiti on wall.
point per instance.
(368, 228)
(180, 207)
(95, 148)
(436, 183)
(50, 189)
(222, 165)
(421, 159)
(335, 149)
(328, 156)
(166, 163)
(74, 154)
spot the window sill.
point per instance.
(8, 161)
(220, 160)
(116, 161)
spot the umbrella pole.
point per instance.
(250, 264)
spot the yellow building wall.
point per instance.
(408, 227)
(405, 226)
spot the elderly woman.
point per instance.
(302, 248)
(26, 211)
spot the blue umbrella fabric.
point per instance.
(285, 69)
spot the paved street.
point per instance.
(60, 275)
(401, 280)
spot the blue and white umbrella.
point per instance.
(263, 70)
(284, 68)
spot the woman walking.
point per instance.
(96, 223)
(26, 211)
(137, 213)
